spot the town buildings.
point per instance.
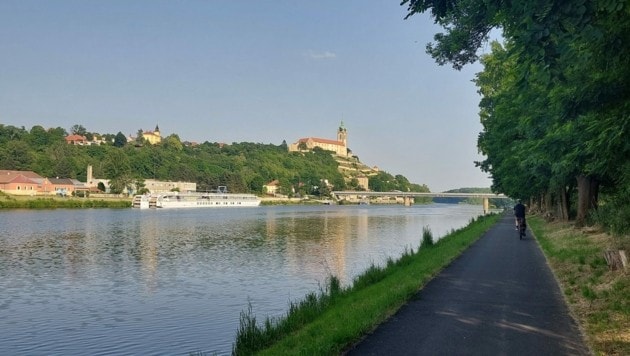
(31, 183)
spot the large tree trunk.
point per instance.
(588, 192)
(547, 199)
(533, 205)
(563, 204)
(547, 207)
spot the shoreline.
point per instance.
(109, 201)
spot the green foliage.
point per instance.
(385, 182)
(427, 237)
(243, 167)
(596, 294)
(555, 96)
(120, 140)
(65, 203)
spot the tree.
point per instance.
(39, 138)
(118, 170)
(57, 134)
(567, 86)
(120, 140)
(140, 186)
(78, 130)
(173, 142)
(140, 137)
(16, 155)
(10, 133)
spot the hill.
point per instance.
(243, 167)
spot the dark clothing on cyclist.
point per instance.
(519, 210)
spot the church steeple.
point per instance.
(342, 134)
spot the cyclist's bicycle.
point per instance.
(521, 227)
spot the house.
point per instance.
(24, 183)
(271, 188)
(76, 140)
(156, 186)
(62, 186)
(31, 183)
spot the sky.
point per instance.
(246, 71)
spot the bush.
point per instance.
(427, 237)
(613, 213)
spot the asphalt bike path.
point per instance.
(498, 298)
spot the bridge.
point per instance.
(407, 196)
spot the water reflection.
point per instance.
(175, 281)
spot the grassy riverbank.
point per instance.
(327, 322)
(19, 202)
(598, 297)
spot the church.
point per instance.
(339, 146)
(154, 137)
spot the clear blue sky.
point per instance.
(245, 71)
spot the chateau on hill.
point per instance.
(349, 165)
(153, 137)
(339, 146)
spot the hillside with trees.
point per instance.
(243, 167)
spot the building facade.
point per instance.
(154, 137)
(31, 183)
(338, 146)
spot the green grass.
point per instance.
(57, 203)
(332, 320)
(597, 296)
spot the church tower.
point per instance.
(342, 135)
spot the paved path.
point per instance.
(498, 298)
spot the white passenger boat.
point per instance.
(219, 199)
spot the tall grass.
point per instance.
(59, 203)
(427, 238)
(598, 296)
(328, 321)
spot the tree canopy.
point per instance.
(555, 98)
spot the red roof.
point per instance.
(75, 138)
(29, 174)
(10, 176)
(321, 140)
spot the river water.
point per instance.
(174, 282)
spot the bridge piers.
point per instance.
(407, 200)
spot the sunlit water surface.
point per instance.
(104, 281)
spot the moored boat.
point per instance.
(219, 199)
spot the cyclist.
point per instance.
(519, 212)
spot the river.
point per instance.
(155, 282)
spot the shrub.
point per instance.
(427, 237)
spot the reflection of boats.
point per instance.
(218, 199)
(141, 201)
